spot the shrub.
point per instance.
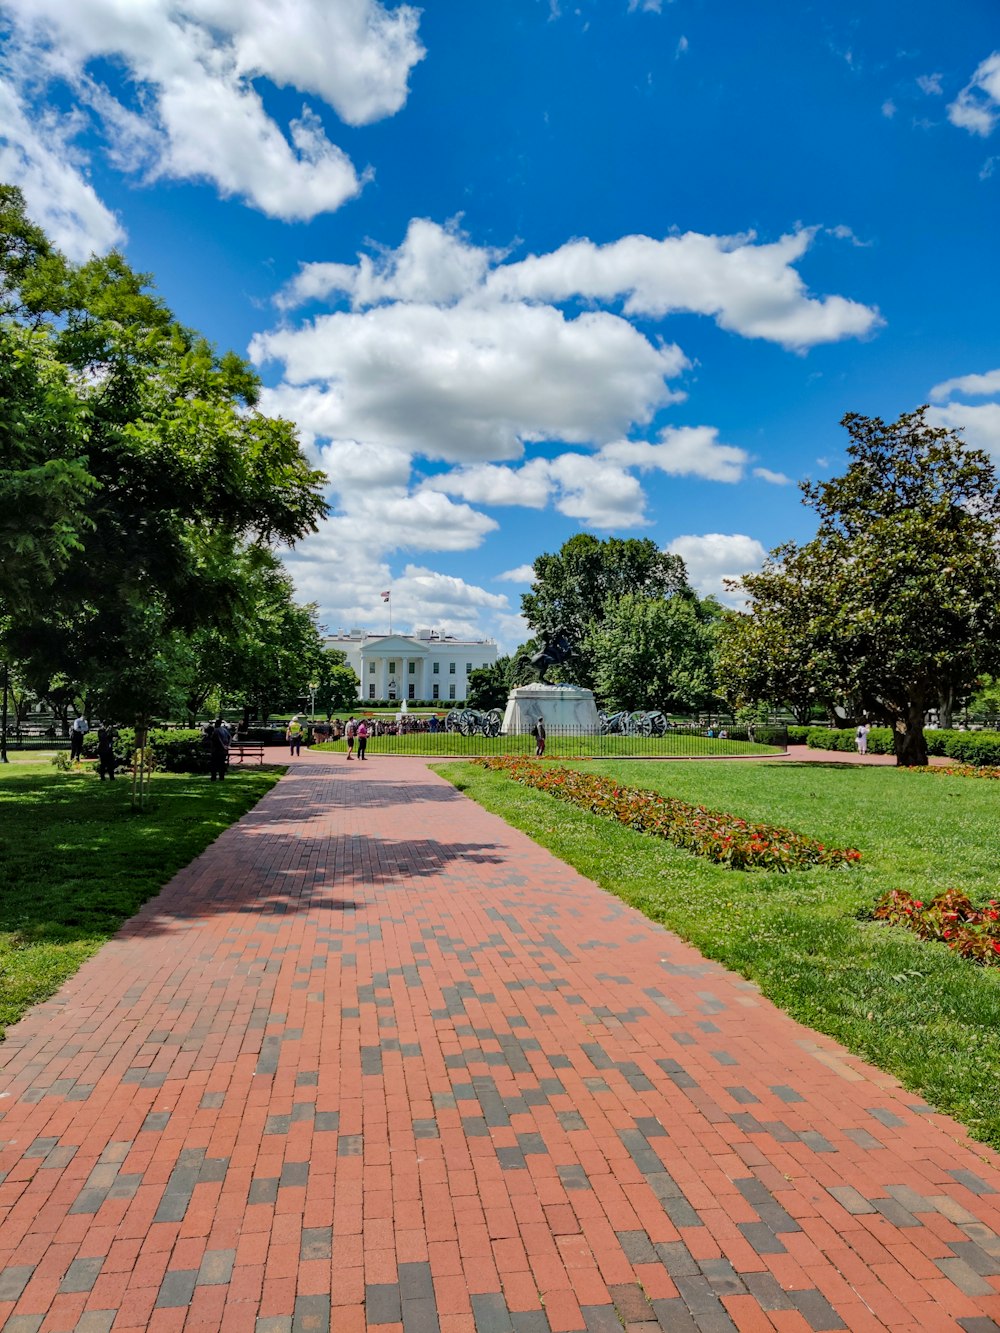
(799, 735)
(973, 747)
(950, 917)
(842, 739)
(721, 837)
(174, 751)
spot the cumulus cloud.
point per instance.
(971, 385)
(467, 381)
(595, 491)
(682, 451)
(773, 478)
(748, 287)
(37, 153)
(977, 106)
(751, 289)
(522, 574)
(196, 65)
(346, 582)
(447, 351)
(434, 264)
(930, 84)
(712, 558)
(979, 424)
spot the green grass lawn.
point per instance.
(557, 747)
(912, 1008)
(75, 862)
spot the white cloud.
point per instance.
(346, 581)
(979, 424)
(469, 381)
(522, 574)
(682, 46)
(350, 463)
(682, 451)
(195, 66)
(434, 264)
(977, 106)
(888, 108)
(750, 289)
(773, 478)
(594, 490)
(973, 385)
(646, 6)
(930, 84)
(37, 154)
(716, 556)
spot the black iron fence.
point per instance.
(565, 742)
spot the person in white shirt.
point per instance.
(861, 738)
(77, 732)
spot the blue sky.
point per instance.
(517, 270)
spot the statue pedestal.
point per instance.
(566, 709)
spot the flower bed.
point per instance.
(951, 917)
(721, 837)
(959, 771)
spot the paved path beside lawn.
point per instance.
(376, 1060)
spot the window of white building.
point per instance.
(451, 691)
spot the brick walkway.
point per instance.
(375, 1051)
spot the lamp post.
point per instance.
(3, 718)
(312, 701)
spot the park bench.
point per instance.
(253, 749)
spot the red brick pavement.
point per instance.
(377, 1061)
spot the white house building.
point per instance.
(425, 665)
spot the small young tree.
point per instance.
(895, 604)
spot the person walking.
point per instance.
(294, 737)
(77, 732)
(105, 751)
(350, 731)
(861, 738)
(539, 737)
(362, 738)
(218, 750)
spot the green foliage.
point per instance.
(45, 480)
(968, 747)
(981, 748)
(894, 607)
(573, 589)
(173, 751)
(136, 476)
(656, 653)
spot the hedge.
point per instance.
(968, 747)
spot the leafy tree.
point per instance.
(656, 653)
(897, 598)
(181, 473)
(574, 588)
(337, 684)
(45, 482)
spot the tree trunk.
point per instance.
(908, 738)
(946, 708)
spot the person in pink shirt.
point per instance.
(362, 735)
